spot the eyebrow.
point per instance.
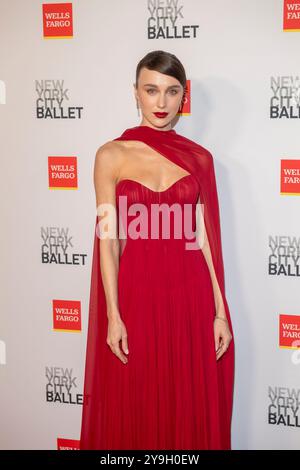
(155, 86)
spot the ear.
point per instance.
(135, 91)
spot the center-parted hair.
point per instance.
(163, 62)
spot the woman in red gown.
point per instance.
(159, 369)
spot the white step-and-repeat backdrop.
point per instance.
(66, 87)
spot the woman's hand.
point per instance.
(222, 335)
(116, 332)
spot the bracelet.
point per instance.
(221, 318)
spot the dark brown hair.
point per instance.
(163, 62)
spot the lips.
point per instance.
(161, 115)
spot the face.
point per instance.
(159, 98)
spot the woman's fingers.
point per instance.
(117, 351)
(117, 332)
(222, 349)
(223, 337)
(125, 344)
(218, 343)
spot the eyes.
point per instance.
(172, 91)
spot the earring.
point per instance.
(137, 105)
(181, 106)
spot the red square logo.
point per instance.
(291, 15)
(289, 331)
(62, 172)
(58, 20)
(67, 444)
(290, 177)
(66, 315)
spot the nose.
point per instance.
(161, 100)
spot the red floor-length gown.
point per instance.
(172, 393)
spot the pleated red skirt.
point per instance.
(170, 393)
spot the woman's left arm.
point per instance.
(221, 328)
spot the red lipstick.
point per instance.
(161, 115)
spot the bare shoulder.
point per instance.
(110, 150)
(113, 155)
(109, 157)
(118, 148)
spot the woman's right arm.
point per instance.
(106, 169)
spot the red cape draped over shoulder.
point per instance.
(197, 160)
